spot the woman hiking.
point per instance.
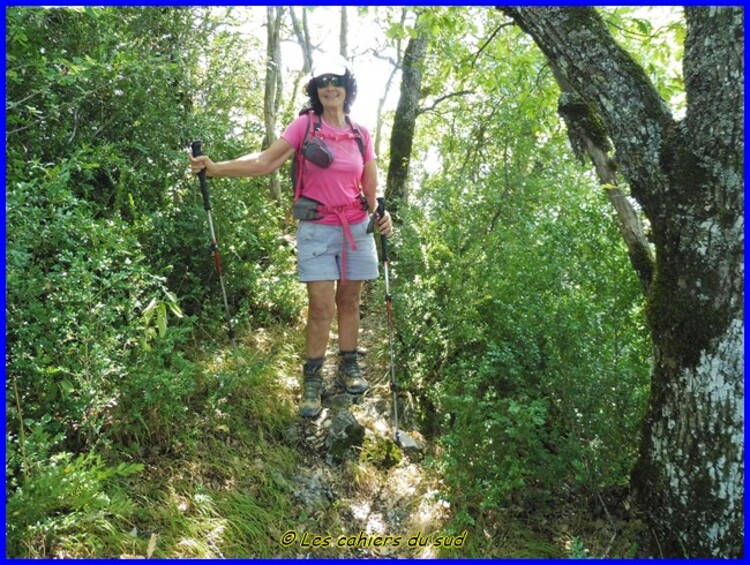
(336, 188)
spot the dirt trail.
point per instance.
(365, 505)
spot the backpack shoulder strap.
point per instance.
(355, 130)
(307, 130)
(298, 163)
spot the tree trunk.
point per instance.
(303, 38)
(343, 34)
(687, 176)
(402, 133)
(302, 33)
(381, 105)
(396, 66)
(272, 94)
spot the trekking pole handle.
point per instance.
(196, 148)
(383, 238)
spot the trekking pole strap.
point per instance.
(196, 147)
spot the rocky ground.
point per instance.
(360, 494)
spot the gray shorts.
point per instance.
(319, 249)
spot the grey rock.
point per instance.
(345, 432)
(312, 491)
(407, 443)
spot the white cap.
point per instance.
(329, 64)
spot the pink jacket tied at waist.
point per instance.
(338, 211)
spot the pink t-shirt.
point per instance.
(340, 183)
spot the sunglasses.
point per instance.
(330, 80)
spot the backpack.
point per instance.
(308, 141)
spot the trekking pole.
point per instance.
(394, 385)
(196, 147)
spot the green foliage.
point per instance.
(108, 266)
(381, 452)
(223, 487)
(75, 288)
(116, 94)
(533, 344)
(70, 505)
(258, 255)
(155, 401)
(520, 319)
(578, 549)
(157, 309)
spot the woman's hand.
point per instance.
(385, 223)
(202, 163)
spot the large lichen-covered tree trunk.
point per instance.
(687, 176)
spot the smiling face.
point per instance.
(331, 91)
(327, 90)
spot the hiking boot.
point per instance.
(350, 374)
(310, 405)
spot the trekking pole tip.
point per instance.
(406, 442)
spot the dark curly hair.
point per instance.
(350, 83)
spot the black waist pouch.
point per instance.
(306, 209)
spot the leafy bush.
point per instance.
(257, 253)
(76, 287)
(108, 265)
(105, 234)
(525, 328)
(66, 505)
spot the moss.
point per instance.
(582, 119)
(381, 452)
(686, 305)
(643, 264)
(681, 321)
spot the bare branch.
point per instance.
(489, 40)
(443, 99)
(375, 53)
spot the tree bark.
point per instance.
(302, 33)
(303, 38)
(688, 178)
(344, 34)
(272, 94)
(407, 110)
(396, 66)
(381, 105)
